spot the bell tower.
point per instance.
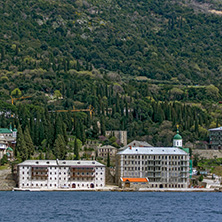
(177, 139)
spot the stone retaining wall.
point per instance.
(208, 154)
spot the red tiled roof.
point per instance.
(135, 179)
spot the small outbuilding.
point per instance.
(134, 182)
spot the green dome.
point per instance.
(177, 137)
(9, 148)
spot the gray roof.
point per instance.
(107, 146)
(216, 129)
(60, 163)
(137, 143)
(153, 151)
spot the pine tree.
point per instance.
(28, 142)
(21, 145)
(76, 149)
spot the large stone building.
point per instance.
(215, 138)
(165, 167)
(58, 174)
(103, 151)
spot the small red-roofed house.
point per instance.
(134, 182)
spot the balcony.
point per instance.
(40, 170)
(184, 170)
(78, 170)
(39, 175)
(158, 176)
(82, 176)
(155, 170)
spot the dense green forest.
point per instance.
(144, 66)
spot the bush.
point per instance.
(4, 160)
(200, 178)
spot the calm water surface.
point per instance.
(110, 206)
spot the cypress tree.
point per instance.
(32, 128)
(108, 160)
(76, 149)
(21, 145)
(83, 135)
(28, 142)
(103, 126)
(78, 130)
(60, 147)
(58, 126)
(64, 133)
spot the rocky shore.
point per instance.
(6, 180)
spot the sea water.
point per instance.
(110, 206)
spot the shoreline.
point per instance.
(114, 189)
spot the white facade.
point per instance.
(57, 174)
(3, 146)
(165, 167)
(177, 142)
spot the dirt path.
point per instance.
(6, 180)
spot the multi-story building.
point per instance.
(165, 167)
(215, 138)
(103, 151)
(56, 174)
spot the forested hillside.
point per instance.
(159, 39)
(144, 66)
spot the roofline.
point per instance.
(56, 163)
(153, 148)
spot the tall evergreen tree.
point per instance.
(60, 147)
(76, 149)
(103, 126)
(28, 142)
(21, 145)
(108, 160)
